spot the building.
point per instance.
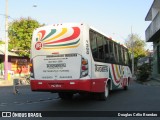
(16, 65)
(152, 34)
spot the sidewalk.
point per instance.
(151, 82)
(10, 82)
(5, 82)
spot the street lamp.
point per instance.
(6, 44)
(34, 5)
(132, 46)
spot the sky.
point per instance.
(115, 18)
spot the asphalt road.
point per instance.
(137, 98)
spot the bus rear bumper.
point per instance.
(89, 85)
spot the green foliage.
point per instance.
(143, 72)
(137, 45)
(2, 42)
(20, 35)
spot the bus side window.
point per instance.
(116, 52)
(111, 53)
(106, 47)
(123, 57)
(120, 53)
(93, 45)
(100, 47)
(126, 57)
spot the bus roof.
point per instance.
(91, 27)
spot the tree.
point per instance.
(137, 45)
(20, 35)
(2, 42)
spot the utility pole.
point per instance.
(132, 45)
(6, 44)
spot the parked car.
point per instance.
(144, 60)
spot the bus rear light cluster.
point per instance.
(84, 68)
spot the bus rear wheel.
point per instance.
(126, 85)
(65, 95)
(105, 94)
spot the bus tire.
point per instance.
(105, 94)
(126, 86)
(65, 95)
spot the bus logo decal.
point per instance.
(101, 68)
(38, 45)
(40, 35)
(55, 39)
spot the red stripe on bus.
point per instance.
(73, 36)
(114, 75)
(88, 85)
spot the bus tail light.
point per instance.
(84, 62)
(31, 69)
(84, 67)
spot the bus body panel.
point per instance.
(62, 60)
(61, 67)
(118, 74)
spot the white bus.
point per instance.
(76, 58)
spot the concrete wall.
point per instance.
(155, 72)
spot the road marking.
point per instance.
(28, 102)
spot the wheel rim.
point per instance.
(106, 91)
